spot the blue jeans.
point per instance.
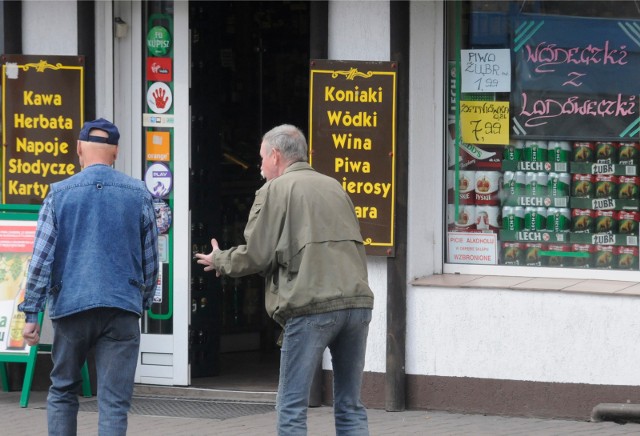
(115, 334)
(305, 339)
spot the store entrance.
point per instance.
(249, 72)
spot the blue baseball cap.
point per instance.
(101, 124)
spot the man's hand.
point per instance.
(207, 259)
(31, 333)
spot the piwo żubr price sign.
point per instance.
(42, 114)
(352, 138)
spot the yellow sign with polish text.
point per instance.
(485, 122)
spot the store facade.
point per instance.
(499, 317)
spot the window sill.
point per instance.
(529, 284)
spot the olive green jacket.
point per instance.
(303, 236)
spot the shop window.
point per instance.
(543, 126)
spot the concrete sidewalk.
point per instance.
(32, 421)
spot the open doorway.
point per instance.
(249, 72)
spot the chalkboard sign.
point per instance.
(575, 78)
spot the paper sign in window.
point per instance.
(485, 122)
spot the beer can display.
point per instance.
(582, 220)
(513, 183)
(558, 219)
(535, 218)
(628, 187)
(513, 217)
(536, 184)
(512, 253)
(605, 221)
(513, 151)
(466, 187)
(626, 258)
(628, 153)
(583, 152)
(582, 185)
(535, 151)
(606, 152)
(605, 186)
(466, 217)
(583, 261)
(487, 187)
(558, 184)
(556, 260)
(532, 256)
(488, 218)
(628, 222)
(559, 151)
(603, 256)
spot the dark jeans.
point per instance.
(115, 335)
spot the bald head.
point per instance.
(92, 152)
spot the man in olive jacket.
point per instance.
(304, 237)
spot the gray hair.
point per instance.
(289, 140)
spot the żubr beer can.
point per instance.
(536, 184)
(488, 187)
(628, 187)
(558, 184)
(558, 219)
(513, 151)
(513, 217)
(583, 261)
(535, 151)
(559, 151)
(535, 218)
(603, 256)
(628, 153)
(583, 152)
(606, 152)
(582, 220)
(626, 258)
(605, 221)
(605, 186)
(628, 222)
(582, 185)
(557, 260)
(513, 253)
(532, 255)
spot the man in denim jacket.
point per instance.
(95, 257)
(304, 237)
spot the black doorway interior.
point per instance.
(249, 72)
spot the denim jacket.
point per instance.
(96, 246)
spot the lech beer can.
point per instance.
(559, 151)
(535, 218)
(513, 151)
(512, 217)
(558, 184)
(558, 219)
(535, 151)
